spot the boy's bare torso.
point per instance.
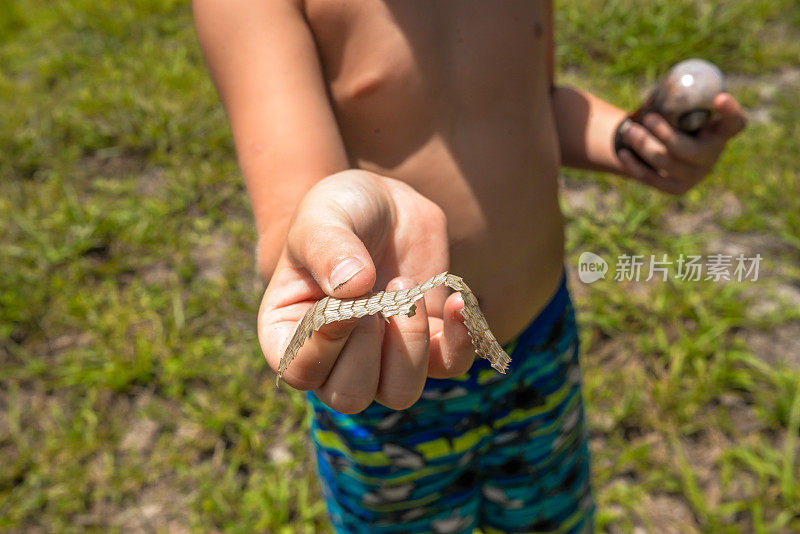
(453, 97)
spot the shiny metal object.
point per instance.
(684, 97)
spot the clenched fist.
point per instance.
(678, 161)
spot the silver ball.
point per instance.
(685, 96)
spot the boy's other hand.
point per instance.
(680, 161)
(354, 232)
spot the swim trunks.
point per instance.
(503, 453)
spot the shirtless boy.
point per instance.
(383, 142)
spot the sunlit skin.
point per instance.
(414, 137)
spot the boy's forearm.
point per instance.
(586, 126)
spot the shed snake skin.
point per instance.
(389, 303)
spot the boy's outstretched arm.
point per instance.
(325, 229)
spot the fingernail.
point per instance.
(651, 121)
(459, 299)
(630, 134)
(400, 283)
(344, 271)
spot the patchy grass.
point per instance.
(133, 393)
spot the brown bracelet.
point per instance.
(619, 141)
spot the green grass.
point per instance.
(132, 390)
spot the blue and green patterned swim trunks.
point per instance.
(502, 453)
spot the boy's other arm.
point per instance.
(263, 60)
(677, 161)
(587, 125)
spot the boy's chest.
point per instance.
(426, 56)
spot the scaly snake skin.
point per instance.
(390, 303)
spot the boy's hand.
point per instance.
(679, 161)
(352, 232)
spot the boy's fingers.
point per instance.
(353, 381)
(334, 255)
(648, 176)
(731, 118)
(404, 360)
(679, 144)
(452, 352)
(648, 147)
(317, 356)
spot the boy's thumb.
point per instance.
(335, 257)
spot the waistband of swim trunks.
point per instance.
(548, 316)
